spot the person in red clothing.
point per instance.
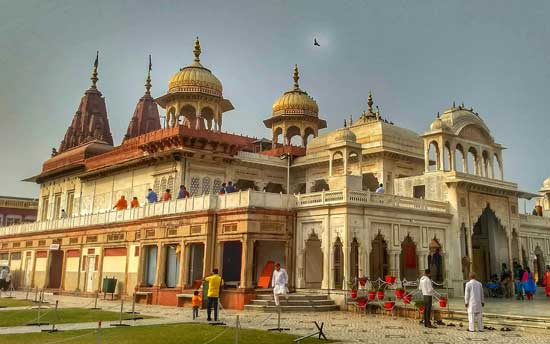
(134, 203)
(121, 204)
(196, 302)
(546, 281)
(166, 196)
(183, 193)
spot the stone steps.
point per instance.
(503, 320)
(297, 302)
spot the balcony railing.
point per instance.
(242, 199)
(368, 198)
(534, 220)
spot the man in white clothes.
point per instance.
(279, 282)
(473, 298)
(426, 287)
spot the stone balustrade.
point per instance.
(368, 198)
(532, 220)
(242, 199)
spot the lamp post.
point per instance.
(287, 157)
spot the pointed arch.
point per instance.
(338, 263)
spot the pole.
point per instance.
(95, 302)
(121, 311)
(99, 332)
(35, 295)
(27, 294)
(237, 324)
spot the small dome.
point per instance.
(546, 183)
(295, 101)
(195, 78)
(344, 135)
(438, 124)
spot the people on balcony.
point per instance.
(166, 196)
(230, 187)
(222, 190)
(134, 203)
(121, 204)
(183, 193)
(152, 196)
(380, 189)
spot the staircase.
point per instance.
(297, 302)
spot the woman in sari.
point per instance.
(528, 284)
(546, 281)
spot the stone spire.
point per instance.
(370, 102)
(146, 115)
(197, 50)
(90, 122)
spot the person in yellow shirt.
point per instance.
(196, 301)
(215, 282)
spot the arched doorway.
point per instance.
(489, 245)
(378, 258)
(354, 259)
(409, 268)
(313, 267)
(435, 261)
(338, 263)
(538, 268)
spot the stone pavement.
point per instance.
(347, 327)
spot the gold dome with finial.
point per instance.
(195, 77)
(295, 101)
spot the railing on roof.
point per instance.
(368, 198)
(534, 220)
(241, 199)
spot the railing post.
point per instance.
(323, 197)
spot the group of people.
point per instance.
(474, 300)
(5, 278)
(151, 197)
(227, 188)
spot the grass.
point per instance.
(63, 316)
(166, 334)
(5, 302)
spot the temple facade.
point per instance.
(369, 199)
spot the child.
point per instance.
(196, 303)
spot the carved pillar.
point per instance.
(161, 263)
(427, 159)
(183, 272)
(63, 268)
(245, 267)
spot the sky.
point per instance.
(417, 57)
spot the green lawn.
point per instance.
(64, 315)
(166, 334)
(5, 302)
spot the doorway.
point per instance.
(56, 267)
(172, 266)
(28, 270)
(150, 265)
(90, 274)
(195, 263)
(409, 268)
(231, 266)
(378, 258)
(313, 262)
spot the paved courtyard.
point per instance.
(346, 327)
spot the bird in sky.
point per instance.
(316, 43)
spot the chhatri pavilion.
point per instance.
(305, 198)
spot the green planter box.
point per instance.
(109, 285)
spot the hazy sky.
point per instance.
(416, 56)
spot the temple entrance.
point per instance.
(231, 266)
(56, 266)
(409, 268)
(313, 267)
(195, 265)
(172, 266)
(489, 245)
(538, 268)
(378, 258)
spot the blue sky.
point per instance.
(416, 57)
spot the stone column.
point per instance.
(63, 268)
(183, 273)
(161, 262)
(141, 266)
(427, 158)
(100, 268)
(244, 263)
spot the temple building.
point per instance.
(316, 207)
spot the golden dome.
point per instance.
(195, 78)
(295, 101)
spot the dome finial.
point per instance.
(148, 81)
(94, 77)
(197, 50)
(296, 77)
(370, 102)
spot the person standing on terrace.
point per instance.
(166, 196)
(134, 203)
(152, 196)
(183, 193)
(121, 204)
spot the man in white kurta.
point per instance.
(473, 298)
(279, 282)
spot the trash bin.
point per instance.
(109, 286)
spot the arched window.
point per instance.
(485, 164)
(498, 166)
(308, 134)
(433, 157)
(206, 185)
(473, 167)
(216, 186)
(435, 260)
(447, 157)
(354, 259)
(276, 137)
(353, 162)
(459, 159)
(293, 136)
(337, 164)
(338, 260)
(195, 185)
(189, 114)
(162, 186)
